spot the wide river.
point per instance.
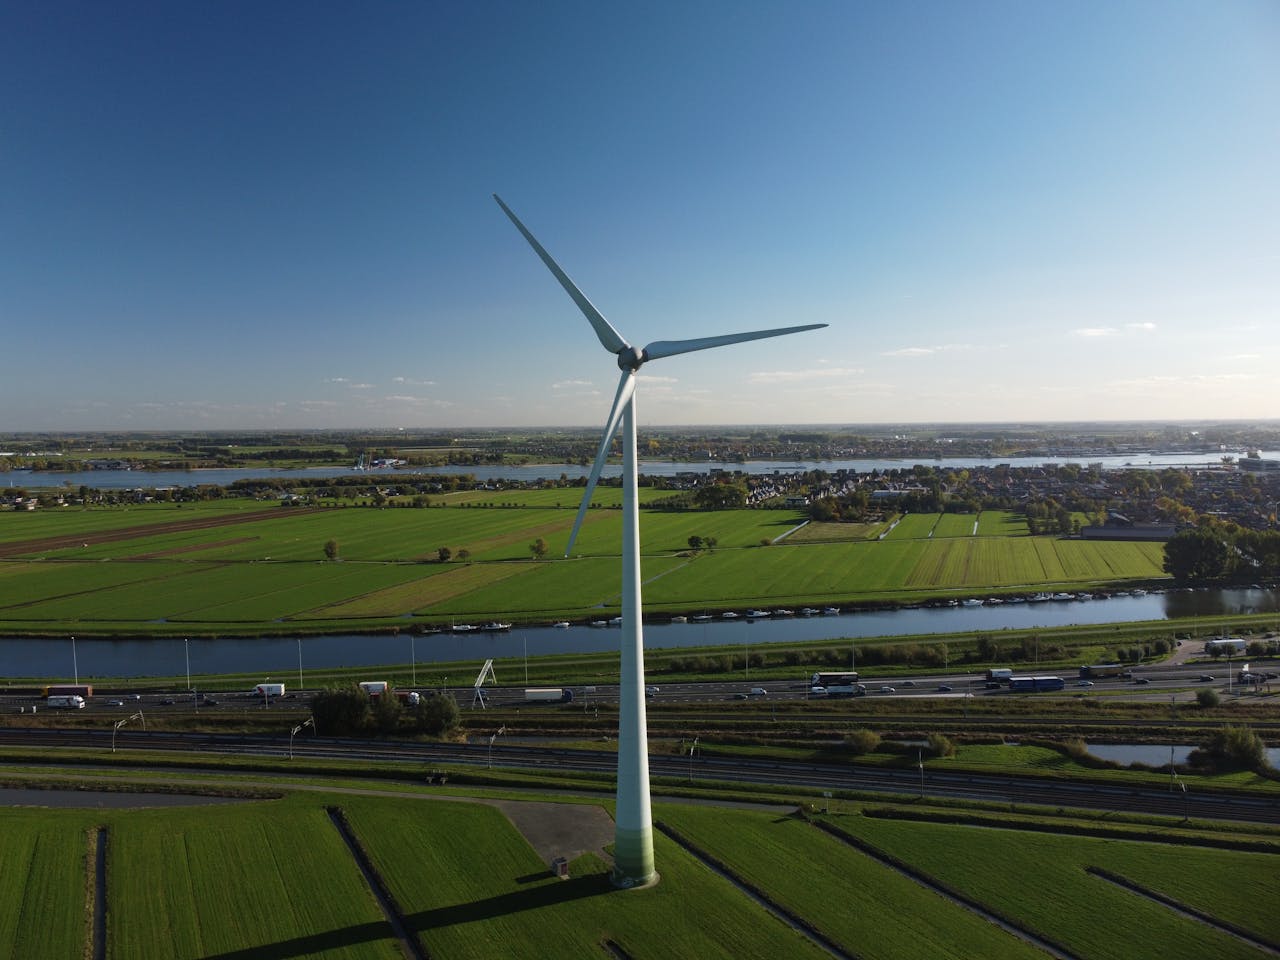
(280, 657)
(128, 479)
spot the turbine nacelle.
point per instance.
(630, 358)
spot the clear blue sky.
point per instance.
(258, 215)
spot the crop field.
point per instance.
(471, 887)
(268, 878)
(882, 915)
(817, 532)
(42, 886)
(1001, 523)
(275, 878)
(234, 568)
(1089, 916)
(913, 526)
(955, 525)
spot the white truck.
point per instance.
(548, 695)
(269, 690)
(71, 701)
(373, 688)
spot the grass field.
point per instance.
(233, 566)
(275, 878)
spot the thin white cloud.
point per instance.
(799, 376)
(1237, 357)
(1189, 382)
(337, 380)
(411, 382)
(1140, 326)
(646, 378)
(1095, 331)
(928, 351)
(572, 385)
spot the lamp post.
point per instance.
(75, 665)
(120, 723)
(309, 722)
(413, 659)
(299, 664)
(692, 747)
(186, 650)
(920, 764)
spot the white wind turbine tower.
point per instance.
(633, 846)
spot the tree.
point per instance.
(1198, 556)
(341, 711)
(538, 548)
(695, 543)
(443, 554)
(1207, 698)
(1231, 748)
(438, 716)
(331, 549)
(464, 555)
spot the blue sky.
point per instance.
(243, 216)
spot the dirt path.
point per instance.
(21, 548)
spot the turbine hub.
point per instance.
(630, 358)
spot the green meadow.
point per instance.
(236, 566)
(276, 878)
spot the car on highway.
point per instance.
(1141, 680)
(908, 683)
(944, 688)
(739, 696)
(1205, 678)
(888, 690)
(135, 697)
(759, 692)
(1084, 683)
(650, 691)
(167, 702)
(209, 702)
(115, 703)
(817, 691)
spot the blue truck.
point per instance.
(1035, 684)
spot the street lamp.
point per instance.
(75, 666)
(501, 730)
(692, 747)
(186, 650)
(299, 664)
(120, 723)
(920, 764)
(309, 722)
(413, 660)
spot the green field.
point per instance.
(276, 878)
(243, 567)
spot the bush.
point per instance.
(862, 741)
(941, 746)
(1231, 748)
(1207, 698)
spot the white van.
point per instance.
(759, 692)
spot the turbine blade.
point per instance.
(671, 348)
(609, 337)
(626, 387)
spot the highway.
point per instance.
(817, 777)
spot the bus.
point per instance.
(845, 678)
(1035, 684)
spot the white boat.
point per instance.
(757, 614)
(729, 615)
(701, 618)
(808, 612)
(599, 623)
(463, 627)
(971, 602)
(831, 611)
(679, 619)
(615, 622)
(784, 612)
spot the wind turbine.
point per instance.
(633, 842)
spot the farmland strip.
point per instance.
(944, 890)
(1252, 939)
(796, 922)
(97, 947)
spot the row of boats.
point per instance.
(760, 614)
(1042, 597)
